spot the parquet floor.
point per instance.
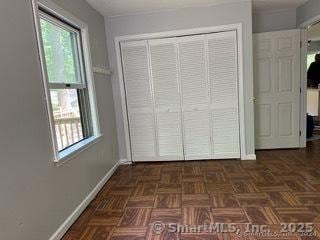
(282, 186)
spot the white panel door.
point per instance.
(164, 68)
(277, 89)
(195, 97)
(139, 100)
(223, 78)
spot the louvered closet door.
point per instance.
(163, 54)
(223, 77)
(139, 100)
(195, 97)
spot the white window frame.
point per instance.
(86, 71)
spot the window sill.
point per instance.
(74, 150)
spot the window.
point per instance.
(310, 58)
(68, 92)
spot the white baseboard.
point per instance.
(77, 212)
(124, 162)
(249, 157)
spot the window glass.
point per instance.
(66, 116)
(60, 50)
(68, 94)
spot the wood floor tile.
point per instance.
(199, 236)
(129, 233)
(254, 199)
(273, 187)
(128, 181)
(169, 188)
(168, 201)
(193, 178)
(262, 215)
(219, 188)
(300, 186)
(96, 233)
(152, 171)
(240, 177)
(229, 215)
(191, 188)
(233, 167)
(218, 177)
(283, 199)
(102, 204)
(119, 190)
(278, 167)
(80, 224)
(145, 189)
(224, 200)
(280, 186)
(196, 216)
(245, 187)
(212, 167)
(199, 200)
(175, 168)
(253, 166)
(263, 176)
(166, 216)
(298, 215)
(308, 198)
(276, 233)
(288, 176)
(106, 218)
(165, 234)
(141, 202)
(192, 170)
(105, 190)
(136, 217)
(71, 235)
(310, 174)
(148, 179)
(116, 202)
(171, 178)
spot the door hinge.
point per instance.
(300, 90)
(300, 44)
(300, 133)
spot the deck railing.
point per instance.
(68, 131)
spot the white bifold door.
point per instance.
(182, 97)
(277, 89)
(167, 105)
(195, 97)
(140, 102)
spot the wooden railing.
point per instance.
(68, 131)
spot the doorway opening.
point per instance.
(313, 82)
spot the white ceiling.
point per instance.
(314, 32)
(273, 5)
(127, 7)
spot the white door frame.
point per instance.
(303, 98)
(205, 30)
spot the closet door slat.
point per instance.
(163, 55)
(139, 100)
(195, 97)
(223, 78)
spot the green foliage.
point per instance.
(59, 51)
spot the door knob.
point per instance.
(254, 99)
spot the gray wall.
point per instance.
(314, 46)
(307, 11)
(185, 19)
(274, 20)
(36, 197)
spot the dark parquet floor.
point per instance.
(282, 186)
